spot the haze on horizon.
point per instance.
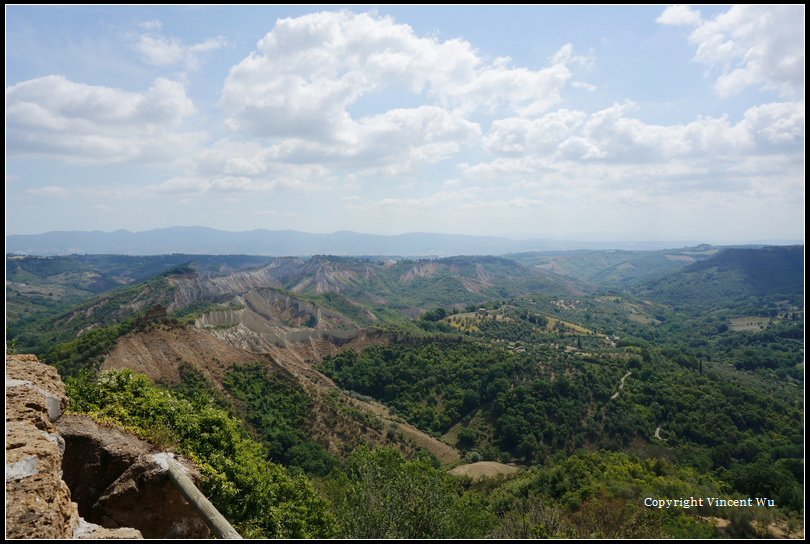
(579, 123)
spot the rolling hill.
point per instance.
(460, 359)
(734, 274)
(615, 268)
(276, 302)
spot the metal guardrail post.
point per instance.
(215, 521)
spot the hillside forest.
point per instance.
(528, 395)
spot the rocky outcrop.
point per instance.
(118, 480)
(69, 477)
(38, 503)
(95, 458)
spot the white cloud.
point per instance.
(153, 24)
(679, 15)
(225, 184)
(777, 124)
(49, 191)
(53, 116)
(590, 87)
(308, 70)
(748, 45)
(468, 199)
(436, 200)
(517, 203)
(390, 143)
(276, 213)
(158, 50)
(429, 134)
(521, 135)
(612, 134)
(611, 152)
(258, 167)
(293, 100)
(395, 140)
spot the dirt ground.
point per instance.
(484, 469)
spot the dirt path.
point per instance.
(621, 386)
(484, 469)
(445, 453)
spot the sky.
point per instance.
(577, 123)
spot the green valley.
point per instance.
(340, 386)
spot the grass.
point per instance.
(569, 327)
(750, 323)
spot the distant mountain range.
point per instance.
(203, 240)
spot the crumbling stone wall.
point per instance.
(38, 503)
(69, 477)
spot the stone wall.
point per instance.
(69, 477)
(38, 503)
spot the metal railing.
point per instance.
(215, 521)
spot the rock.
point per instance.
(95, 457)
(38, 502)
(23, 468)
(146, 498)
(86, 531)
(27, 371)
(118, 481)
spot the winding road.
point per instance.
(621, 386)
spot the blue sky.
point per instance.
(624, 123)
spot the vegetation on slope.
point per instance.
(262, 499)
(380, 494)
(280, 412)
(531, 401)
(614, 268)
(39, 333)
(597, 495)
(703, 382)
(731, 277)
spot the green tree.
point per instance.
(384, 495)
